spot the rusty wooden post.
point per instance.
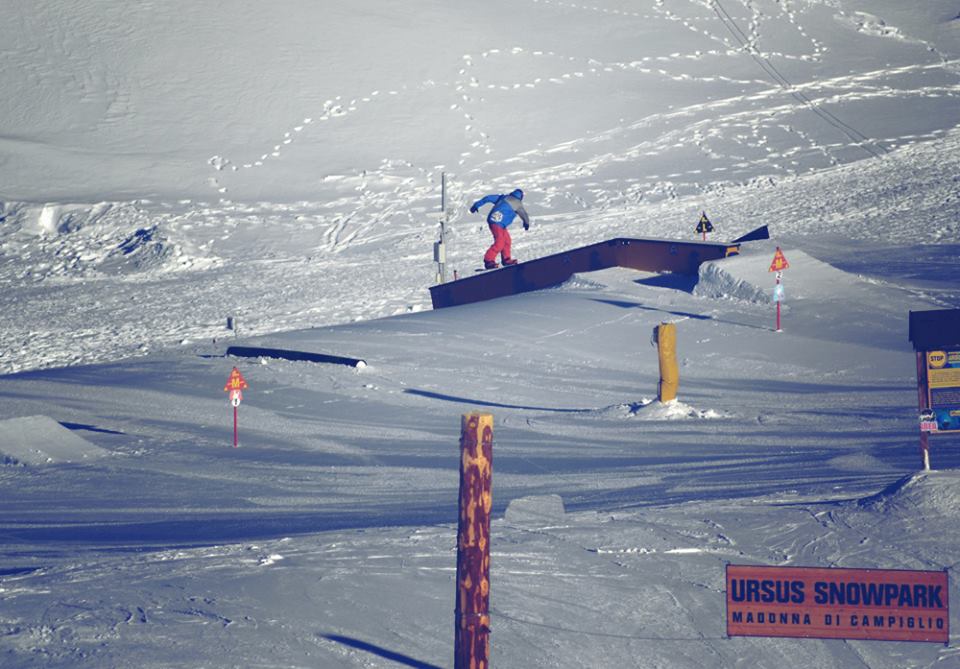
(472, 622)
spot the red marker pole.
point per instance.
(778, 301)
(235, 397)
(235, 385)
(778, 265)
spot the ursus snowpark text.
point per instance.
(836, 603)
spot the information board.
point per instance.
(943, 378)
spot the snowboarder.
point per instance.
(505, 209)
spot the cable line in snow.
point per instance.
(858, 138)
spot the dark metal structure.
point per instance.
(650, 255)
(935, 335)
(935, 329)
(281, 354)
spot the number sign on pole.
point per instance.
(236, 384)
(778, 264)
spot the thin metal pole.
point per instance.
(778, 303)
(443, 225)
(923, 401)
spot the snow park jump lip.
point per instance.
(650, 255)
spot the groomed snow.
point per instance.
(167, 166)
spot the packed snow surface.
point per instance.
(169, 167)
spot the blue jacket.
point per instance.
(505, 208)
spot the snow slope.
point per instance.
(166, 166)
(222, 150)
(326, 538)
(284, 102)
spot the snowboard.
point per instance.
(493, 269)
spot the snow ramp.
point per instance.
(649, 255)
(40, 440)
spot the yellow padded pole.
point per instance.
(669, 371)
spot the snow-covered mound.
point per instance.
(84, 240)
(748, 277)
(535, 510)
(40, 440)
(918, 496)
(654, 410)
(737, 278)
(580, 281)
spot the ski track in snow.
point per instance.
(577, 577)
(771, 137)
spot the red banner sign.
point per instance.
(821, 603)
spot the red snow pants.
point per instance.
(501, 243)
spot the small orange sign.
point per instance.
(236, 381)
(779, 262)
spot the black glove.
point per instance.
(526, 226)
(473, 209)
